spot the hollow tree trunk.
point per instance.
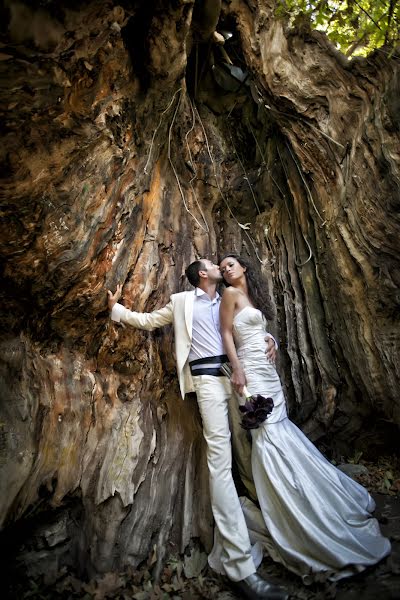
(131, 148)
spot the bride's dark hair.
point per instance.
(256, 286)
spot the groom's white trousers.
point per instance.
(213, 397)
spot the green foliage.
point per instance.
(356, 27)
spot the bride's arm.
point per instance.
(226, 312)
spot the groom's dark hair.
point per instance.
(193, 270)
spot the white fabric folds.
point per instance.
(314, 519)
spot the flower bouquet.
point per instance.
(256, 408)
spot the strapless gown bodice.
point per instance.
(249, 329)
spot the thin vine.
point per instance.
(193, 167)
(176, 174)
(157, 128)
(246, 177)
(297, 263)
(323, 222)
(243, 227)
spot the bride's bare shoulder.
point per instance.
(231, 292)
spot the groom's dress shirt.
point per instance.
(206, 335)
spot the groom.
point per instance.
(199, 354)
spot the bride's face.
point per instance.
(231, 270)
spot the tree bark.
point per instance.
(131, 146)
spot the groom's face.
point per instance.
(213, 272)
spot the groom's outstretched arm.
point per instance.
(139, 320)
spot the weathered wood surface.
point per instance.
(98, 128)
(341, 135)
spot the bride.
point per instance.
(315, 520)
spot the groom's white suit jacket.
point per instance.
(178, 311)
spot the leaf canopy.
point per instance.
(356, 27)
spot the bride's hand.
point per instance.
(238, 379)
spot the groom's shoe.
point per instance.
(255, 587)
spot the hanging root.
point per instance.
(157, 128)
(176, 174)
(297, 263)
(193, 167)
(305, 185)
(245, 175)
(221, 192)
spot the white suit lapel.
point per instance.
(189, 302)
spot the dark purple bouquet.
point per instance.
(256, 408)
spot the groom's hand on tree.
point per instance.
(113, 298)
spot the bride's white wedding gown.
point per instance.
(314, 519)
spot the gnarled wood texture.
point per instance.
(130, 149)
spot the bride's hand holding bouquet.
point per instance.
(256, 408)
